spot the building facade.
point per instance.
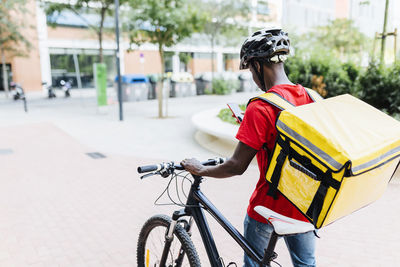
(25, 70)
(69, 50)
(303, 15)
(368, 15)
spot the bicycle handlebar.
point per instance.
(170, 166)
(149, 168)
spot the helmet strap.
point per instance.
(260, 74)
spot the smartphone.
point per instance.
(236, 111)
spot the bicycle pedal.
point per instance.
(232, 264)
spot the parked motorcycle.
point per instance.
(18, 93)
(66, 86)
(51, 93)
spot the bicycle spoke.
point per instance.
(155, 244)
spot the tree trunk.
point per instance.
(100, 37)
(100, 33)
(161, 85)
(5, 74)
(382, 63)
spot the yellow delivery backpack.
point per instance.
(331, 157)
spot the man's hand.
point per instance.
(193, 166)
(235, 165)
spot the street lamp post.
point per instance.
(121, 115)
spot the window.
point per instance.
(9, 75)
(63, 66)
(231, 62)
(168, 64)
(86, 18)
(203, 55)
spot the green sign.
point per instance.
(100, 79)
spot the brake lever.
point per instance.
(148, 175)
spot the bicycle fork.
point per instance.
(169, 237)
(168, 241)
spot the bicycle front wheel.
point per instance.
(152, 240)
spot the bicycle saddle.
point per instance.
(284, 225)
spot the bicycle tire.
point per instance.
(162, 222)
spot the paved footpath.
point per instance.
(60, 207)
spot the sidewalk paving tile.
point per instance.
(62, 208)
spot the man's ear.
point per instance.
(257, 65)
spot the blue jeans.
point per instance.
(301, 246)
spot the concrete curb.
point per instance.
(214, 134)
(208, 122)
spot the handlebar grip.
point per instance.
(148, 168)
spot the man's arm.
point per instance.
(236, 165)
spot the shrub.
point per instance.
(323, 73)
(337, 81)
(298, 71)
(370, 86)
(223, 86)
(353, 71)
(226, 114)
(319, 85)
(380, 87)
(392, 89)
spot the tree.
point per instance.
(223, 19)
(102, 8)
(12, 40)
(339, 36)
(164, 23)
(185, 58)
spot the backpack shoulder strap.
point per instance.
(281, 103)
(313, 94)
(274, 99)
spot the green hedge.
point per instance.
(223, 86)
(330, 77)
(323, 72)
(378, 87)
(381, 87)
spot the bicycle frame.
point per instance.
(196, 202)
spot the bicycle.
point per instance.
(156, 243)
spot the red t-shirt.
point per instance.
(257, 129)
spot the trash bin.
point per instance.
(135, 87)
(246, 83)
(182, 85)
(203, 83)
